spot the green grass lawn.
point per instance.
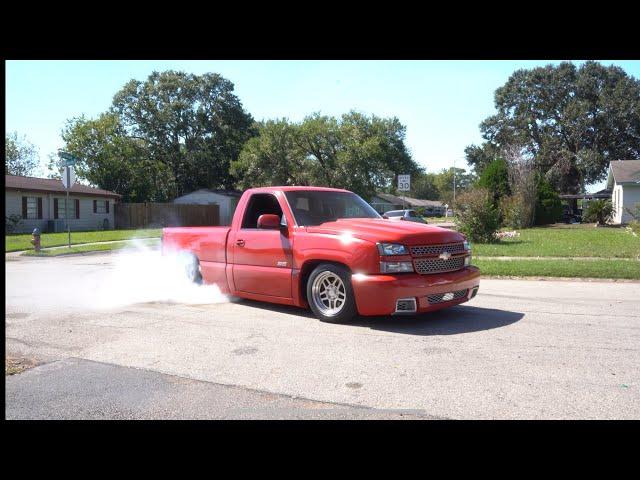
(55, 252)
(582, 241)
(629, 269)
(23, 241)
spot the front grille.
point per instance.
(437, 265)
(423, 250)
(447, 296)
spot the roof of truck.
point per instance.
(290, 188)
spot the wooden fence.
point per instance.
(155, 215)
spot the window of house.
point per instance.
(60, 208)
(32, 208)
(101, 206)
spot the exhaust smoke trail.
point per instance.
(140, 274)
(145, 275)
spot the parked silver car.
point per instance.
(407, 215)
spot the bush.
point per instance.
(598, 211)
(549, 205)
(495, 178)
(12, 222)
(634, 226)
(477, 217)
(514, 211)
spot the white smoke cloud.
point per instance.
(145, 275)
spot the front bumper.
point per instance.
(378, 294)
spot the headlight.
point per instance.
(467, 245)
(392, 249)
(396, 267)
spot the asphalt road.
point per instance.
(519, 350)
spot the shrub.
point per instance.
(477, 217)
(599, 211)
(495, 178)
(634, 227)
(12, 222)
(514, 211)
(549, 205)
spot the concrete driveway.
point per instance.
(519, 350)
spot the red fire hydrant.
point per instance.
(35, 239)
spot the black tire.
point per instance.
(348, 308)
(192, 268)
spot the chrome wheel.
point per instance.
(328, 293)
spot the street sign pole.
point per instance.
(404, 185)
(66, 203)
(68, 180)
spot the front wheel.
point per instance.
(330, 294)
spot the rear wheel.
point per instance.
(192, 268)
(330, 294)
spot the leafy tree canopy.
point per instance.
(169, 135)
(572, 121)
(115, 161)
(357, 152)
(21, 157)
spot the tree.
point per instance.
(444, 183)
(21, 156)
(479, 157)
(571, 121)
(523, 183)
(112, 160)
(272, 157)
(423, 186)
(194, 125)
(549, 205)
(356, 152)
(495, 178)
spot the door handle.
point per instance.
(240, 243)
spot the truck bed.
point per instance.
(209, 244)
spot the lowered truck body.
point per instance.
(327, 249)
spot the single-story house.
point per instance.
(227, 201)
(624, 181)
(383, 202)
(40, 202)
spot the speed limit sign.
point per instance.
(404, 183)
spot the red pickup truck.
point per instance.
(329, 250)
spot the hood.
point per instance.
(381, 230)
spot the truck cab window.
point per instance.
(260, 204)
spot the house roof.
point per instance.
(625, 171)
(413, 202)
(16, 182)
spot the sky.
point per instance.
(440, 102)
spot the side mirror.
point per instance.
(269, 221)
(385, 217)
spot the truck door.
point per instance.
(262, 259)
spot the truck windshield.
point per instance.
(313, 207)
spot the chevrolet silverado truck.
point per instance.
(328, 250)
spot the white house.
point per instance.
(624, 182)
(40, 202)
(227, 201)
